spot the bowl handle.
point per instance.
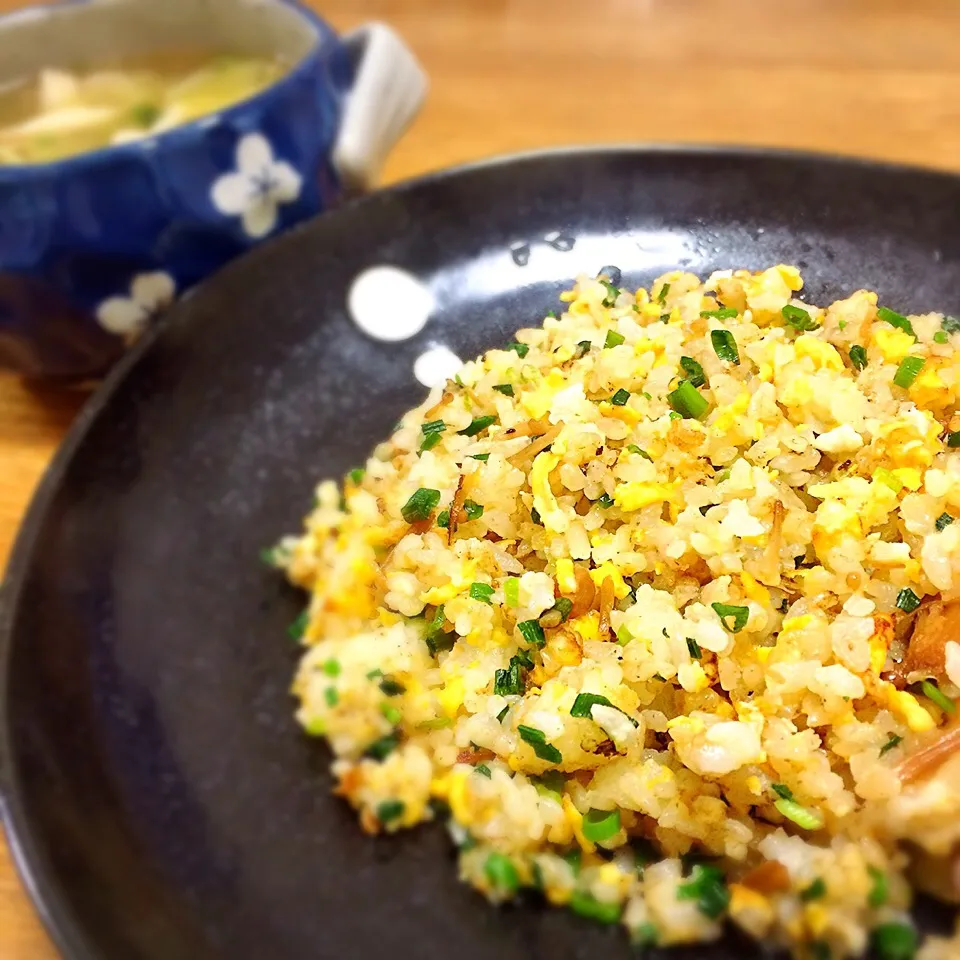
(387, 92)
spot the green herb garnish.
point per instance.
(798, 318)
(356, 475)
(858, 356)
(391, 688)
(880, 890)
(800, 815)
(420, 505)
(532, 632)
(907, 600)
(508, 682)
(894, 741)
(694, 371)
(521, 349)
(482, 592)
(620, 398)
(483, 770)
(725, 346)
(694, 648)
(633, 448)
(390, 810)
(724, 313)
(585, 702)
(933, 693)
(297, 629)
(502, 874)
(953, 439)
(600, 825)
(585, 905)
(382, 748)
(477, 425)
(815, 891)
(511, 591)
(943, 521)
(708, 887)
(940, 337)
(538, 740)
(614, 339)
(908, 371)
(740, 615)
(687, 401)
(605, 501)
(331, 696)
(895, 320)
(894, 941)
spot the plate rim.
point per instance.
(47, 898)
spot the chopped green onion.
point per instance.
(390, 810)
(382, 748)
(694, 648)
(521, 349)
(482, 457)
(724, 313)
(508, 682)
(940, 337)
(624, 636)
(687, 401)
(563, 606)
(884, 476)
(740, 615)
(538, 740)
(583, 348)
(600, 825)
(894, 941)
(708, 887)
(331, 667)
(798, 318)
(477, 425)
(532, 632)
(392, 715)
(436, 638)
(605, 501)
(552, 314)
(511, 592)
(482, 592)
(270, 556)
(472, 509)
(725, 345)
(484, 770)
(585, 702)
(895, 320)
(331, 696)
(420, 505)
(645, 935)
(664, 290)
(953, 439)
(694, 371)
(502, 713)
(614, 339)
(815, 891)
(551, 784)
(801, 816)
(392, 688)
(356, 475)
(908, 371)
(377, 672)
(782, 790)
(613, 291)
(505, 388)
(858, 356)
(950, 325)
(880, 891)
(633, 448)
(535, 517)
(502, 874)
(297, 629)
(573, 859)
(585, 905)
(429, 442)
(907, 600)
(943, 521)
(443, 519)
(620, 398)
(894, 741)
(820, 950)
(432, 426)
(933, 693)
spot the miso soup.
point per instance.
(58, 113)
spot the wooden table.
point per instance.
(870, 77)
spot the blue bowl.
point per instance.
(93, 247)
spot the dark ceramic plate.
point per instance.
(161, 802)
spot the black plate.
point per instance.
(160, 800)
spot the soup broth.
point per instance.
(58, 113)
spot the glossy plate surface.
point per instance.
(160, 798)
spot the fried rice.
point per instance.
(657, 606)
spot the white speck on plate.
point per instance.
(436, 366)
(388, 303)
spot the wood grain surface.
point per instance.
(879, 78)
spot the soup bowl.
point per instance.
(95, 246)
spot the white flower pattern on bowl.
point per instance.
(259, 185)
(129, 316)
